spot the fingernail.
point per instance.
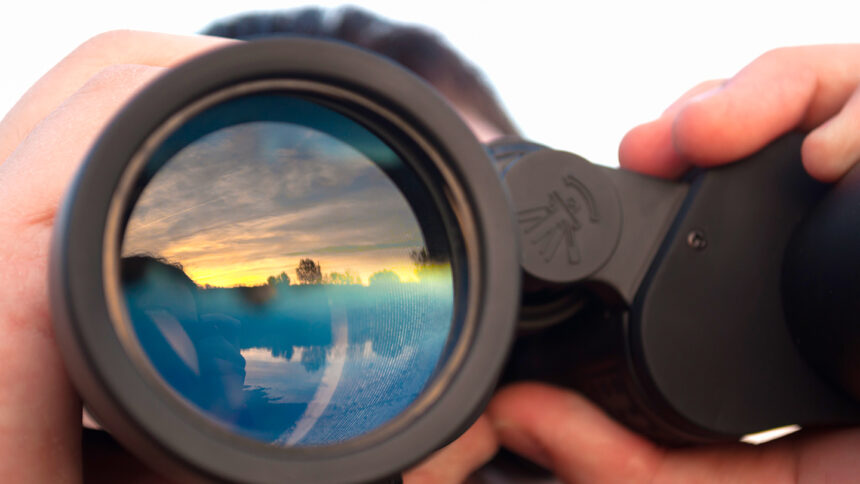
(517, 440)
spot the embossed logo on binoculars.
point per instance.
(550, 225)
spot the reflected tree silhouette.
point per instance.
(384, 277)
(421, 257)
(313, 358)
(309, 272)
(426, 264)
(342, 278)
(281, 279)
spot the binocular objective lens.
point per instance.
(277, 277)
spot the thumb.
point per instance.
(455, 462)
(567, 434)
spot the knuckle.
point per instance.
(105, 47)
(775, 54)
(105, 40)
(796, 64)
(113, 83)
(782, 55)
(119, 74)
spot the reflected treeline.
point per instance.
(282, 316)
(388, 333)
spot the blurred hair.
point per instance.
(416, 48)
(135, 268)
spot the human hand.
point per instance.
(43, 141)
(813, 89)
(567, 434)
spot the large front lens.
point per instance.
(285, 271)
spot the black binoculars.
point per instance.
(291, 261)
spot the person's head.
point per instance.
(155, 284)
(421, 51)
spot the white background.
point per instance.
(574, 75)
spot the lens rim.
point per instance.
(111, 382)
(139, 171)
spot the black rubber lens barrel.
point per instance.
(211, 360)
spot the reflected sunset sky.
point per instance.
(249, 201)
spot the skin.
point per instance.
(46, 135)
(813, 89)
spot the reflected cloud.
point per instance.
(248, 201)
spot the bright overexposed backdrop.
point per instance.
(574, 75)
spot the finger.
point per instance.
(648, 148)
(829, 456)
(566, 433)
(833, 148)
(457, 460)
(784, 89)
(38, 172)
(38, 406)
(39, 410)
(562, 431)
(98, 53)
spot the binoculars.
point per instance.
(290, 261)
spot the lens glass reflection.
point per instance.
(276, 275)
